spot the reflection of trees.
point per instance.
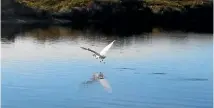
(8, 31)
(55, 33)
(11, 30)
(51, 33)
(88, 36)
(58, 33)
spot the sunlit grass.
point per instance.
(157, 5)
(55, 5)
(63, 5)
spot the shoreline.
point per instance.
(115, 16)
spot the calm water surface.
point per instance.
(46, 68)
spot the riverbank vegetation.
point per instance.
(54, 5)
(119, 15)
(155, 5)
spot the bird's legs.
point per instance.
(102, 61)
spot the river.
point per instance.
(46, 68)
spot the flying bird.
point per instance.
(102, 54)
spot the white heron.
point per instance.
(102, 54)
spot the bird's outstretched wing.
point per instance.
(104, 51)
(91, 50)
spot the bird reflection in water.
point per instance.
(99, 77)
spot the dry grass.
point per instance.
(157, 5)
(63, 5)
(55, 5)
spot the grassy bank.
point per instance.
(186, 15)
(54, 5)
(155, 5)
(179, 5)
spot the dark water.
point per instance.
(46, 68)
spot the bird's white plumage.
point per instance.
(105, 84)
(102, 54)
(104, 51)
